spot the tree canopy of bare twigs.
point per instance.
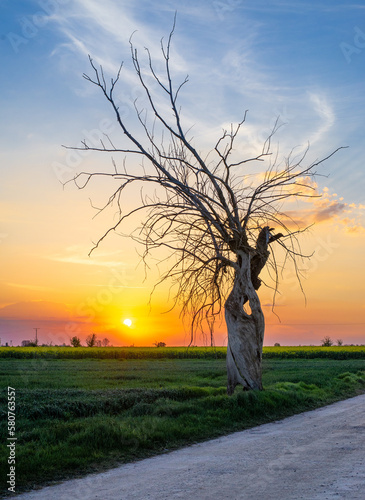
(216, 219)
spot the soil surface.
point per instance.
(319, 454)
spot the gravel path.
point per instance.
(314, 455)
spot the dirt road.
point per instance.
(315, 455)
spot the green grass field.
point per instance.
(80, 415)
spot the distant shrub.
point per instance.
(327, 342)
(75, 342)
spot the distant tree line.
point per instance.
(91, 341)
(328, 342)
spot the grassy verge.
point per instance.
(78, 416)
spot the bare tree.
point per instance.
(105, 342)
(91, 340)
(214, 216)
(327, 342)
(160, 344)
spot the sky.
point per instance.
(299, 61)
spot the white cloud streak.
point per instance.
(76, 255)
(326, 114)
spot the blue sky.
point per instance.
(302, 60)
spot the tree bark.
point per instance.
(246, 328)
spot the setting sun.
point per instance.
(127, 322)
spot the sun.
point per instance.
(127, 322)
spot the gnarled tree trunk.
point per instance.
(245, 332)
(246, 328)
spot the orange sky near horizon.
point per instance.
(49, 281)
(73, 294)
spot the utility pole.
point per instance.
(36, 335)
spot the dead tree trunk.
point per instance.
(246, 325)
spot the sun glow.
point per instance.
(127, 322)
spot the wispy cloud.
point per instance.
(35, 309)
(326, 115)
(352, 226)
(226, 76)
(30, 287)
(114, 286)
(76, 255)
(102, 30)
(74, 259)
(301, 6)
(225, 79)
(329, 207)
